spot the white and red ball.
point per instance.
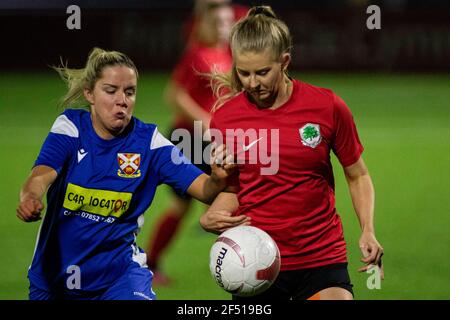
(244, 261)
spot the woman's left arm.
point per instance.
(205, 188)
(363, 198)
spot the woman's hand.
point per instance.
(30, 204)
(205, 188)
(30, 210)
(222, 165)
(372, 252)
(217, 221)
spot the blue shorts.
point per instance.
(135, 284)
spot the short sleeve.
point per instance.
(346, 144)
(59, 145)
(172, 167)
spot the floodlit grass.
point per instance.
(403, 121)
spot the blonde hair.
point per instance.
(258, 31)
(205, 30)
(79, 79)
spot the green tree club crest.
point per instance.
(310, 135)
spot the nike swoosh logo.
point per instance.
(81, 155)
(245, 148)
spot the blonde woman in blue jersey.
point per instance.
(100, 169)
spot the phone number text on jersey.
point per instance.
(90, 216)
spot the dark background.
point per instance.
(328, 35)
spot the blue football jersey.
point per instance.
(95, 207)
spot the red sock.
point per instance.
(163, 234)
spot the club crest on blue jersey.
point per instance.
(310, 135)
(129, 165)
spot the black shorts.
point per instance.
(205, 167)
(303, 283)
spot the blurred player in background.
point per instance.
(101, 168)
(190, 92)
(295, 203)
(195, 21)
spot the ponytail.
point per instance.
(259, 31)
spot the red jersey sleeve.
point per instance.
(346, 144)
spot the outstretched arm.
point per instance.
(205, 188)
(363, 198)
(219, 216)
(30, 203)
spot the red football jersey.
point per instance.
(191, 73)
(285, 177)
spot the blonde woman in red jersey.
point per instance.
(190, 93)
(295, 202)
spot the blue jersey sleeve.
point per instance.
(59, 145)
(172, 167)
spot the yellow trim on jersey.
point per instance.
(101, 202)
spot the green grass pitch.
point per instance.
(404, 124)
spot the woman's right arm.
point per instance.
(219, 216)
(177, 96)
(32, 192)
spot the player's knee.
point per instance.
(334, 293)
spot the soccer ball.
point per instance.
(244, 261)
